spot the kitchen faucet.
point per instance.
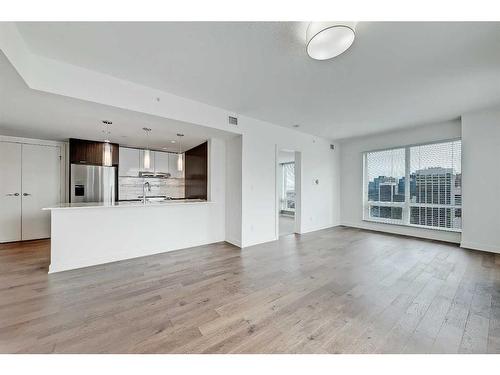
(144, 185)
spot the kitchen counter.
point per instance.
(89, 234)
(154, 203)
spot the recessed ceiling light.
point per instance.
(326, 40)
(172, 141)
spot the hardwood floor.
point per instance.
(286, 225)
(339, 290)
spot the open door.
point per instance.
(288, 192)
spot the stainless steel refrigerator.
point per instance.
(93, 183)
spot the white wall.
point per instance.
(481, 180)
(319, 208)
(352, 175)
(217, 185)
(286, 156)
(233, 190)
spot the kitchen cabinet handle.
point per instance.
(12, 195)
(26, 194)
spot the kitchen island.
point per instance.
(87, 234)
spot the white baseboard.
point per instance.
(234, 243)
(258, 242)
(405, 231)
(480, 246)
(320, 228)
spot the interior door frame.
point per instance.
(298, 190)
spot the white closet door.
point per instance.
(41, 187)
(10, 191)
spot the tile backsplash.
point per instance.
(131, 187)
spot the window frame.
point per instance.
(405, 221)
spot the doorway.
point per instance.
(288, 192)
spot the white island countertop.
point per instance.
(86, 205)
(87, 234)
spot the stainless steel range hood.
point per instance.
(154, 175)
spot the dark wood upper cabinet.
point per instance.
(196, 172)
(90, 152)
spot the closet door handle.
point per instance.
(12, 195)
(26, 194)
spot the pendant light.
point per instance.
(180, 161)
(147, 152)
(107, 158)
(326, 40)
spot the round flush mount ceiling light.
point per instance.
(325, 40)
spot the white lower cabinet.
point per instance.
(30, 179)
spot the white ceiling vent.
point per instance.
(233, 120)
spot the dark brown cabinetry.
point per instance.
(196, 172)
(90, 152)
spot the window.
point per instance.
(415, 185)
(287, 201)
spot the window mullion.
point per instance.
(406, 213)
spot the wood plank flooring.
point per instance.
(339, 290)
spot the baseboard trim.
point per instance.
(400, 233)
(320, 228)
(234, 243)
(258, 243)
(481, 247)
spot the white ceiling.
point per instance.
(34, 114)
(395, 74)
